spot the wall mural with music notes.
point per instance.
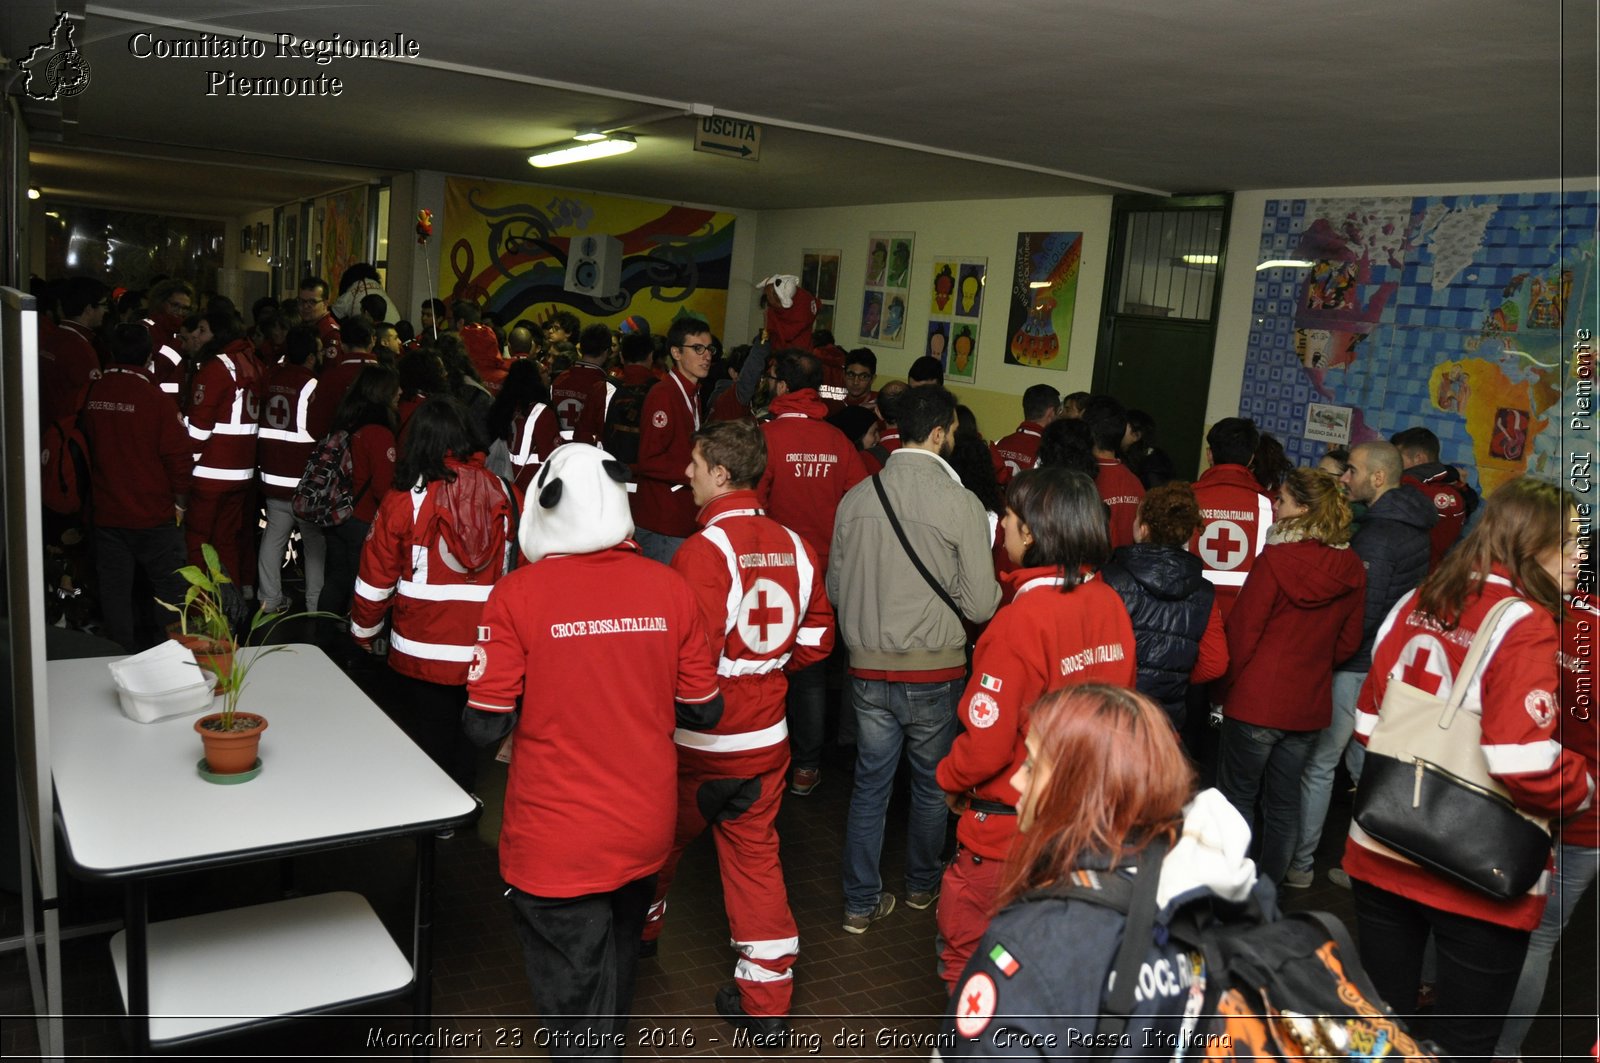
(505, 247)
(1044, 291)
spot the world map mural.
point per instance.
(1469, 315)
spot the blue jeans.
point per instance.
(921, 717)
(1576, 868)
(1316, 785)
(1264, 762)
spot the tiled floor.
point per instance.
(873, 996)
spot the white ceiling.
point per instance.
(863, 101)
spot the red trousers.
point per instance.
(966, 904)
(737, 795)
(219, 519)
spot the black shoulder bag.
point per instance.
(900, 533)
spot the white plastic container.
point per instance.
(162, 682)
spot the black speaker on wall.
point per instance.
(594, 266)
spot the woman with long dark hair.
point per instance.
(1298, 614)
(522, 416)
(1515, 551)
(435, 551)
(1102, 781)
(367, 414)
(1062, 626)
(974, 461)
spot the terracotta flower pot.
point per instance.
(214, 655)
(231, 752)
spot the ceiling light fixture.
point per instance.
(1284, 263)
(33, 192)
(1199, 260)
(596, 146)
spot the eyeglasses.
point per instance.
(848, 375)
(697, 348)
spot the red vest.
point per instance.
(1514, 695)
(285, 442)
(1234, 518)
(436, 607)
(776, 619)
(223, 418)
(534, 433)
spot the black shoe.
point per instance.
(768, 1031)
(648, 949)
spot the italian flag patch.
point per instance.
(1004, 960)
(989, 682)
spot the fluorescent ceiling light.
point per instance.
(1199, 260)
(33, 192)
(588, 135)
(1285, 263)
(561, 154)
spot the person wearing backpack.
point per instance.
(434, 553)
(283, 445)
(623, 405)
(368, 416)
(523, 424)
(1514, 552)
(1104, 780)
(141, 470)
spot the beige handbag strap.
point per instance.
(1474, 660)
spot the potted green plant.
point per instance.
(231, 738)
(203, 625)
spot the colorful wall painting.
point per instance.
(819, 275)
(504, 246)
(955, 304)
(1044, 291)
(1456, 313)
(343, 236)
(886, 298)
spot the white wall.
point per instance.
(968, 228)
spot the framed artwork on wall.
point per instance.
(886, 298)
(1044, 289)
(955, 303)
(819, 275)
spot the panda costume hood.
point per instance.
(578, 504)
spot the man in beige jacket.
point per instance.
(907, 643)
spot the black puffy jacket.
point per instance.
(1169, 601)
(1392, 543)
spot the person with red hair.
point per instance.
(1105, 788)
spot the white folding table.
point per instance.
(335, 772)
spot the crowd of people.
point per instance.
(541, 525)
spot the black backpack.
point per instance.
(624, 413)
(1285, 987)
(323, 495)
